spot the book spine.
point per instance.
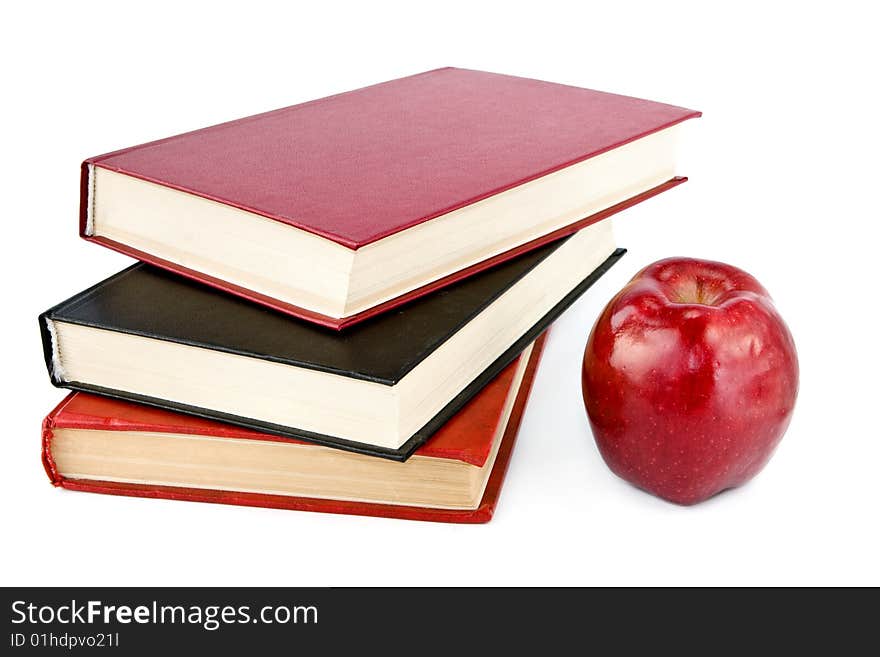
(46, 453)
(48, 340)
(46, 436)
(85, 199)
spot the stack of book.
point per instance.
(340, 305)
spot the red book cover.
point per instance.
(367, 164)
(467, 437)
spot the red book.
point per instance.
(103, 445)
(340, 208)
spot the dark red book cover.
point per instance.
(359, 166)
(466, 437)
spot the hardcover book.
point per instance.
(105, 445)
(339, 209)
(382, 387)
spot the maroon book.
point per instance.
(339, 208)
(103, 445)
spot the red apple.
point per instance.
(689, 379)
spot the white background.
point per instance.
(784, 184)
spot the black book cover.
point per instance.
(149, 302)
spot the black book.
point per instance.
(380, 388)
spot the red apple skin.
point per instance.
(690, 377)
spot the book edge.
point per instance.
(406, 450)
(68, 416)
(482, 514)
(342, 323)
(57, 313)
